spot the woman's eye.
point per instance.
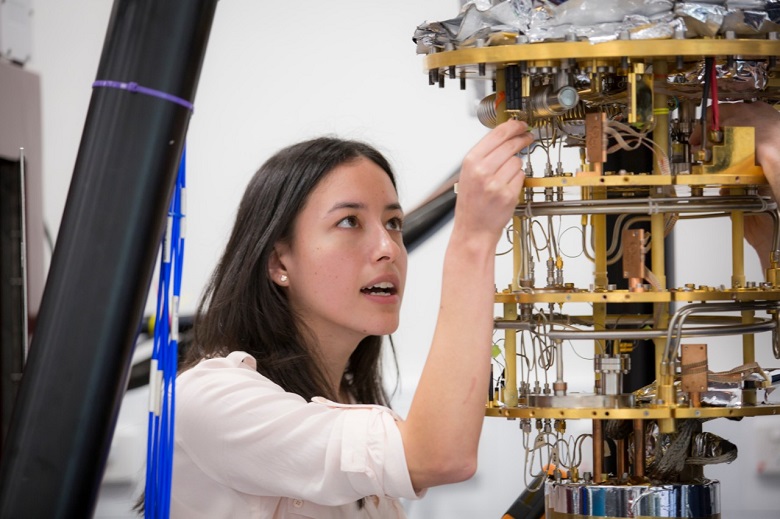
(395, 224)
(348, 222)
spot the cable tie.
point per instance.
(135, 88)
(175, 320)
(167, 240)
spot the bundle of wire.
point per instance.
(164, 362)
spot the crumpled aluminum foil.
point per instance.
(705, 448)
(706, 445)
(718, 394)
(738, 80)
(743, 18)
(476, 21)
(632, 26)
(597, 21)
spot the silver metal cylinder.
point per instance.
(522, 240)
(545, 102)
(580, 500)
(612, 369)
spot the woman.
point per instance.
(280, 406)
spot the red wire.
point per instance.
(714, 97)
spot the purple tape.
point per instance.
(136, 88)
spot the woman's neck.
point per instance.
(334, 362)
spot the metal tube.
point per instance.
(737, 249)
(559, 386)
(661, 116)
(621, 454)
(598, 450)
(658, 262)
(599, 224)
(749, 396)
(774, 254)
(710, 331)
(648, 206)
(523, 257)
(658, 220)
(638, 320)
(23, 252)
(677, 320)
(98, 281)
(748, 339)
(510, 354)
(639, 448)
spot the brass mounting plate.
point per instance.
(649, 413)
(672, 48)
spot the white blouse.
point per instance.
(246, 448)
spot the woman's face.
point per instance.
(346, 262)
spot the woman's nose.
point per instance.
(387, 246)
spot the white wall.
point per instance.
(276, 73)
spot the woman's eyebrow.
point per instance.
(347, 205)
(395, 206)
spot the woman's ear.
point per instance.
(276, 269)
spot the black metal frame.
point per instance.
(98, 281)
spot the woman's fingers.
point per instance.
(498, 147)
(497, 137)
(492, 178)
(511, 173)
(509, 164)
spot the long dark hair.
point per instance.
(243, 309)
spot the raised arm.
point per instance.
(441, 432)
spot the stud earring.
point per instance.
(283, 278)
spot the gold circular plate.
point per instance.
(747, 179)
(632, 413)
(695, 48)
(584, 413)
(624, 296)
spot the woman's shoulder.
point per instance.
(235, 359)
(236, 369)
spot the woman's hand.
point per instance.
(490, 181)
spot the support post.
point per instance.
(99, 277)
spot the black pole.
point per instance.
(99, 277)
(424, 221)
(530, 503)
